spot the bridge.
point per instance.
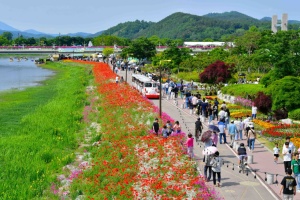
(83, 50)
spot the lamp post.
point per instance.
(160, 84)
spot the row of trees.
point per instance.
(6, 39)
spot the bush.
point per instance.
(263, 103)
(217, 72)
(285, 93)
(280, 114)
(295, 114)
(243, 90)
(188, 76)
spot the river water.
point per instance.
(21, 74)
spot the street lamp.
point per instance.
(160, 97)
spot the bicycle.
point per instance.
(197, 134)
(243, 165)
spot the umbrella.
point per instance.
(214, 128)
(206, 135)
(209, 150)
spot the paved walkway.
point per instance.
(235, 185)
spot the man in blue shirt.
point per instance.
(221, 126)
(232, 130)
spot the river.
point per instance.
(21, 74)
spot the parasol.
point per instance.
(214, 128)
(206, 135)
(209, 150)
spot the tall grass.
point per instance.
(38, 131)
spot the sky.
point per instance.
(91, 16)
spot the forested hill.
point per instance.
(128, 29)
(215, 26)
(233, 16)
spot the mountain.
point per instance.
(96, 34)
(32, 31)
(232, 16)
(197, 28)
(6, 27)
(128, 29)
(266, 19)
(269, 19)
(79, 34)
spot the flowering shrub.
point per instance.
(130, 163)
(282, 130)
(296, 142)
(242, 113)
(243, 102)
(263, 123)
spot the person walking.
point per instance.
(210, 113)
(296, 169)
(237, 123)
(215, 111)
(291, 144)
(198, 128)
(276, 153)
(190, 145)
(214, 138)
(287, 156)
(232, 130)
(216, 164)
(155, 126)
(251, 138)
(254, 111)
(221, 126)
(207, 167)
(288, 186)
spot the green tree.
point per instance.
(285, 93)
(142, 48)
(108, 51)
(7, 35)
(248, 43)
(3, 40)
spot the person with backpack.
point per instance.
(207, 166)
(216, 164)
(288, 186)
(215, 111)
(198, 128)
(251, 137)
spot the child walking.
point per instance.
(276, 153)
(216, 164)
(190, 145)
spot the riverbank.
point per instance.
(39, 130)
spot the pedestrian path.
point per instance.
(234, 185)
(263, 167)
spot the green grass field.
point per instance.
(39, 131)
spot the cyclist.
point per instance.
(198, 128)
(242, 152)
